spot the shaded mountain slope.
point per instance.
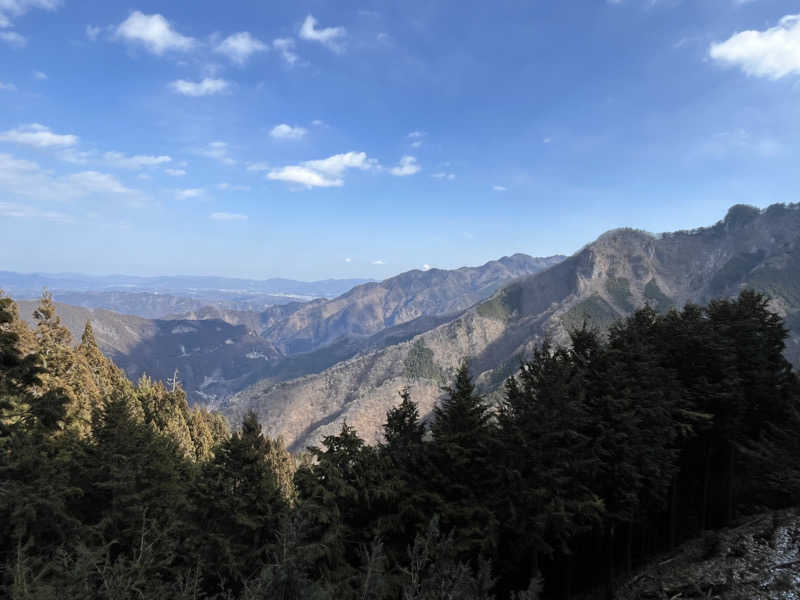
(607, 279)
(213, 358)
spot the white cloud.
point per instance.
(259, 166)
(10, 9)
(240, 46)
(206, 87)
(94, 181)
(499, 188)
(326, 172)
(190, 193)
(38, 136)
(547, 140)
(318, 123)
(348, 260)
(224, 186)
(304, 176)
(25, 211)
(378, 262)
(287, 132)
(772, 53)
(407, 166)
(416, 137)
(154, 32)
(331, 37)
(119, 160)
(443, 175)
(13, 39)
(426, 267)
(93, 32)
(224, 216)
(175, 172)
(39, 75)
(286, 48)
(7, 87)
(27, 179)
(217, 151)
(338, 163)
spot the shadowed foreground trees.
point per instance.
(600, 455)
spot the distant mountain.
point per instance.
(219, 350)
(607, 279)
(208, 288)
(160, 297)
(372, 307)
(157, 305)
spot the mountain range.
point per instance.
(218, 351)
(304, 367)
(607, 279)
(159, 297)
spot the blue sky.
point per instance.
(361, 139)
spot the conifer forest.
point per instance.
(601, 455)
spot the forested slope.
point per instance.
(604, 452)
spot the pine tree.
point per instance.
(463, 456)
(238, 507)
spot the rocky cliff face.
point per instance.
(607, 279)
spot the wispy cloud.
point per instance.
(285, 46)
(10, 9)
(13, 39)
(175, 172)
(499, 188)
(416, 138)
(26, 178)
(93, 32)
(38, 136)
(443, 175)
(189, 193)
(408, 166)
(218, 151)
(287, 132)
(94, 181)
(7, 87)
(154, 33)
(234, 187)
(26, 211)
(225, 216)
(206, 87)
(772, 53)
(332, 37)
(240, 46)
(121, 161)
(378, 262)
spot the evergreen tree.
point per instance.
(463, 457)
(238, 507)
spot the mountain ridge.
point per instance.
(604, 281)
